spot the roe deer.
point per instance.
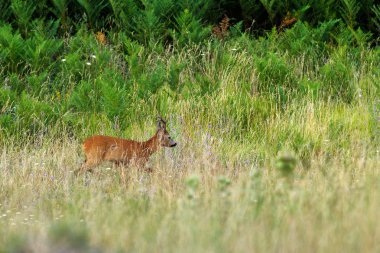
(100, 148)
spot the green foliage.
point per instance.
(92, 8)
(192, 183)
(349, 12)
(376, 18)
(33, 54)
(188, 30)
(12, 49)
(125, 13)
(114, 99)
(69, 237)
(285, 164)
(165, 55)
(303, 40)
(275, 75)
(337, 77)
(149, 21)
(5, 11)
(39, 52)
(23, 11)
(31, 116)
(269, 7)
(84, 97)
(223, 182)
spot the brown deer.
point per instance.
(100, 148)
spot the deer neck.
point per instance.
(152, 145)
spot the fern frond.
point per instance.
(376, 19)
(349, 11)
(23, 10)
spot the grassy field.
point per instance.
(212, 193)
(278, 126)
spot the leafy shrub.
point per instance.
(12, 49)
(337, 77)
(275, 74)
(23, 11)
(15, 83)
(38, 84)
(149, 82)
(114, 99)
(40, 52)
(188, 29)
(34, 116)
(303, 40)
(84, 97)
(309, 86)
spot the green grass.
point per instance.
(278, 142)
(212, 193)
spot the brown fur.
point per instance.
(99, 148)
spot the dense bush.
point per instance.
(121, 61)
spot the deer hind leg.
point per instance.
(92, 160)
(88, 165)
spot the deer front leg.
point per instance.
(142, 164)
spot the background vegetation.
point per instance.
(275, 105)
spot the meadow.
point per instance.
(278, 128)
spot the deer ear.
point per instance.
(161, 124)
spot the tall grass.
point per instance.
(213, 193)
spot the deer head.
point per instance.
(163, 136)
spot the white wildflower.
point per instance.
(360, 94)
